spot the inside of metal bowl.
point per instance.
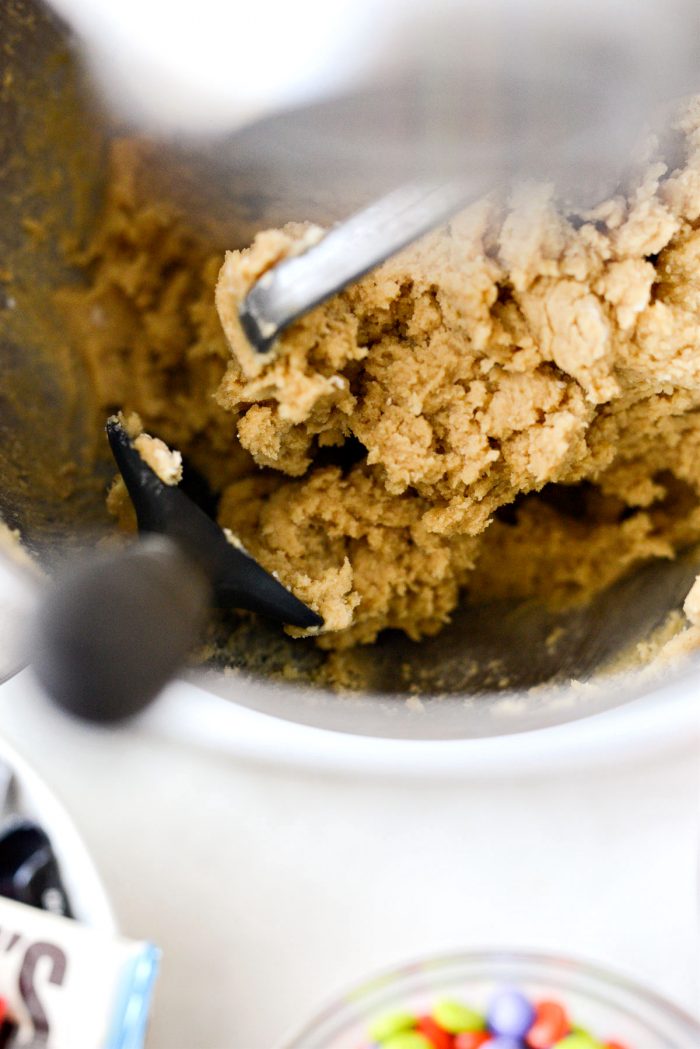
(54, 466)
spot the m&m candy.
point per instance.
(511, 1021)
(549, 1026)
(438, 1037)
(510, 1014)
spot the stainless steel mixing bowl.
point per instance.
(477, 677)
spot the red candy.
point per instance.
(436, 1035)
(471, 1039)
(550, 1024)
(548, 1019)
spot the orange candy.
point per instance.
(550, 1024)
(436, 1035)
(471, 1039)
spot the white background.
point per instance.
(269, 889)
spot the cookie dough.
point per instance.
(511, 407)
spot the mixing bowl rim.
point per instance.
(666, 719)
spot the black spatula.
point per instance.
(238, 580)
(117, 626)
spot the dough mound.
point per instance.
(404, 424)
(510, 408)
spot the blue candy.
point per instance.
(504, 1041)
(510, 1014)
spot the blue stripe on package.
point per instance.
(134, 1000)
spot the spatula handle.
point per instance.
(114, 628)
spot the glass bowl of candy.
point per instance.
(498, 1000)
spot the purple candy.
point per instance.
(504, 1041)
(510, 1014)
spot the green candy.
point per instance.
(454, 1017)
(577, 1040)
(390, 1024)
(407, 1040)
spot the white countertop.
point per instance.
(270, 889)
